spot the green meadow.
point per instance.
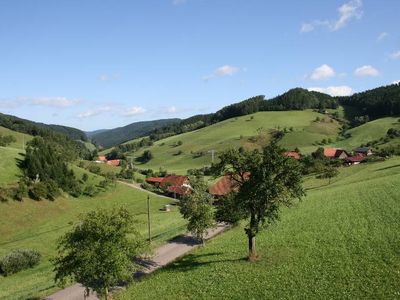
(340, 242)
(38, 225)
(370, 131)
(238, 132)
(8, 165)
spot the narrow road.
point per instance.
(138, 187)
(164, 255)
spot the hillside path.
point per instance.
(138, 187)
(163, 255)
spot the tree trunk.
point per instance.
(251, 235)
(252, 248)
(106, 293)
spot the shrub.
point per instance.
(18, 260)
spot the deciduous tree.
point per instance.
(98, 251)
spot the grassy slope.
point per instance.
(37, 225)
(370, 131)
(9, 172)
(341, 242)
(20, 137)
(227, 134)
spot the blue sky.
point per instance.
(102, 64)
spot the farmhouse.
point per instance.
(225, 185)
(113, 162)
(335, 153)
(102, 158)
(174, 185)
(293, 154)
(355, 160)
(364, 151)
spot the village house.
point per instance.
(174, 185)
(225, 185)
(335, 153)
(113, 162)
(366, 151)
(293, 154)
(354, 160)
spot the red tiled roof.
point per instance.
(330, 152)
(356, 158)
(154, 179)
(102, 158)
(113, 162)
(293, 154)
(179, 190)
(226, 185)
(333, 152)
(174, 180)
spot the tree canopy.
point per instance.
(98, 252)
(273, 180)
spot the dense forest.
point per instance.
(112, 137)
(376, 103)
(39, 129)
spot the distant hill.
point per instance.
(35, 128)
(112, 137)
(294, 99)
(89, 134)
(376, 103)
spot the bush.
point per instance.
(18, 260)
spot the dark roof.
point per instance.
(362, 149)
(174, 180)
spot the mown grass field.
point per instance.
(9, 171)
(21, 138)
(341, 242)
(368, 132)
(38, 225)
(235, 133)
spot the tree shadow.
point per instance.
(390, 167)
(192, 261)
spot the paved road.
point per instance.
(164, 255)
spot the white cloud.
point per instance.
(307, 27)
(58, 102)
(178, 2)
(342, 90)
(171, 109)
(108, 77)
(395, 55)
(322, 72)
(347, 12)
(133, 111)
(366, 70)
(382, 36)
(225, 70)
(53, 101)
(396, 82)
(95, 112)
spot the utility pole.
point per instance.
(148, 217)
(212, 155)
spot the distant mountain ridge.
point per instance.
(35, 128)
(112, 137)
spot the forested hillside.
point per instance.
(119, 135)
(34, 128)
(376, 103)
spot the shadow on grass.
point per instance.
(390, 167)
(192, 261)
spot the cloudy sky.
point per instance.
(100, 64)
